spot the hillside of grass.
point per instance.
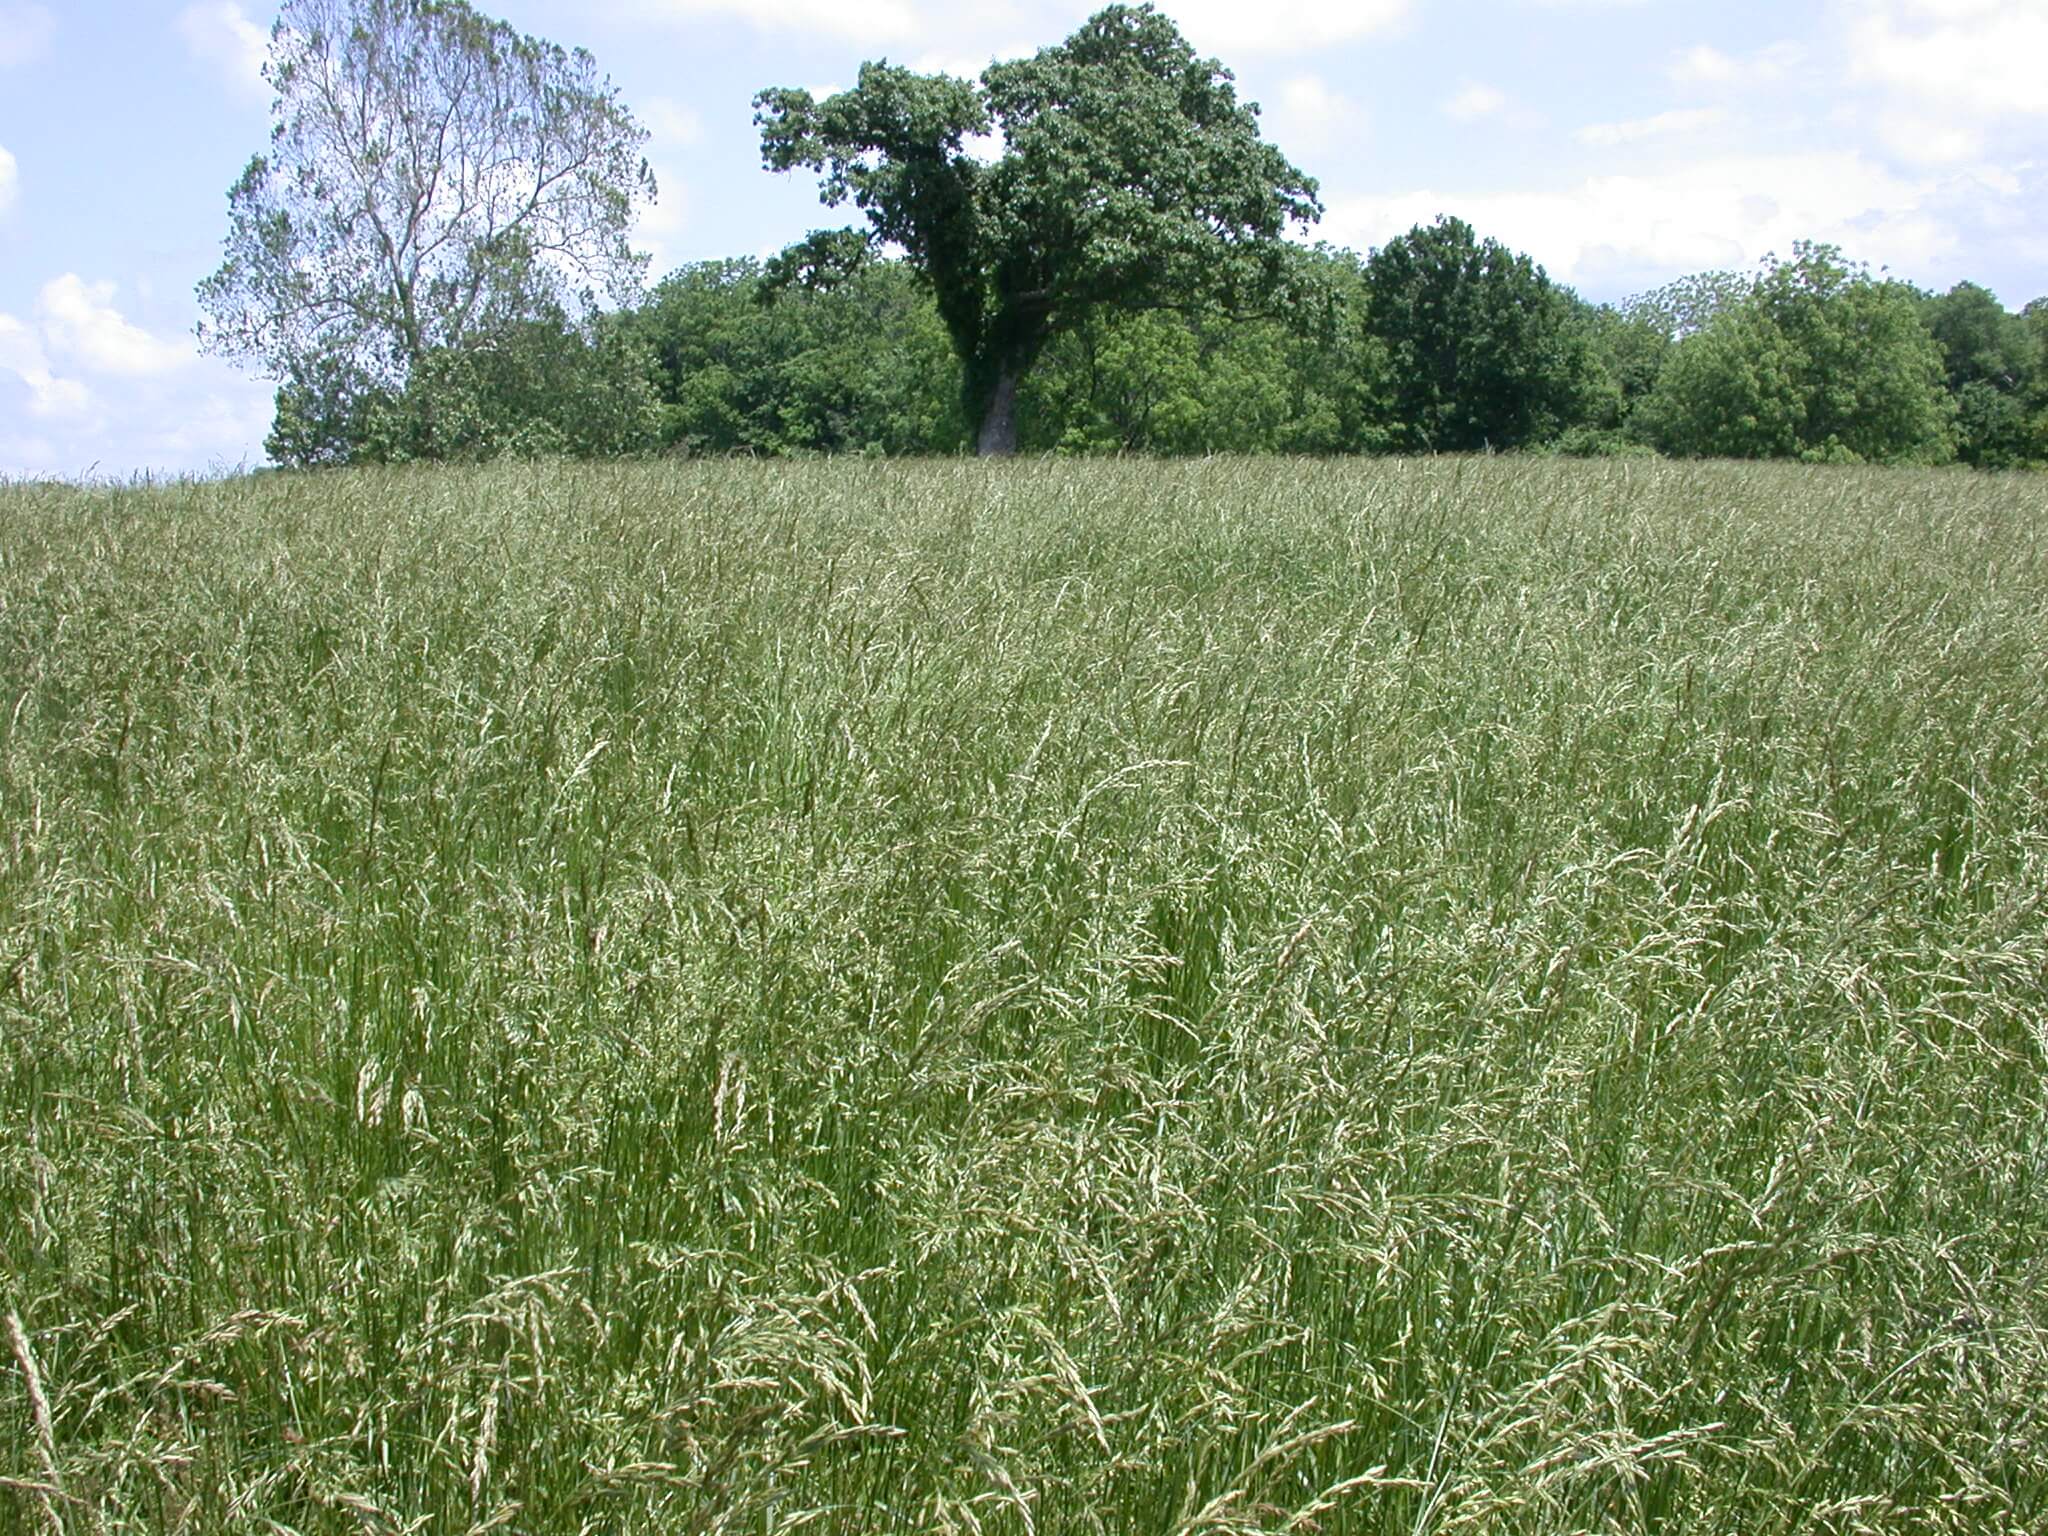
(1428, 996)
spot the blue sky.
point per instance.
(1620, 142)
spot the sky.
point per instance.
(1622, 143)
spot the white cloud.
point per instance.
(202, 418)
(670, 121)
(961, 66)
(1961, 57)
(660, 225)
(22, 354)
(217, 430)
(1705, 65)
(1309, 115)
(1232, 28)
(1924, 140)
(24, 33)
(79, 322)
(10, 179)
(967, 28)
(1473, 101)
(986, 147)
(1663, 125)
(879, 22)
(1619, 233)
(220, 33)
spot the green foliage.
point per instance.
(1688, 304)
(852, 356)
(1223, 999)
(821, 261)
(2036, 317)
(752, 361)
(1587, 442)
(1821, 362)
(1124, 383)
(1168, 381)
(1981, 343)
(328, 413)
(532, 388)
(1996, 430)
(1130, 177)
(1735, 389)
(1160, 382)
(1483, 351)
(1993, 362)
(1626, 349)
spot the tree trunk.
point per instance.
(998, 438)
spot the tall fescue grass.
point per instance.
(1407, 997)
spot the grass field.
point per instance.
(1491, 996)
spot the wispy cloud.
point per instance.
(1311, 115)
(1662, 126)
(83, 388)
(882, 22)
(1233, 28)
(81, 325)
(669, 121)
(1963, 57)
(22, 355)
(1626, 231)
(659, 226)
(220, 33)
(1226, 27)
(1472, 101)
(1705, 65)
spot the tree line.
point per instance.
(433, 262)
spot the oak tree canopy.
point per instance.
(1115, 171)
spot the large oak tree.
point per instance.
(1125, 175)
